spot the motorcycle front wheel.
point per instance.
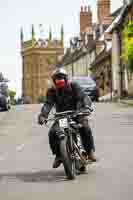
(66, 148)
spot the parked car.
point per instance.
(4, 97)
(88, 85)
(4, 103)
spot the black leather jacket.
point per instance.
(70, 98)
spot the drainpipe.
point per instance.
(72, 68)
(121, 65)
(116, 62)
(111, 81)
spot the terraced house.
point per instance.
(122, 76)
(99, 48)
(85, 47)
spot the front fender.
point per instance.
(61, 134)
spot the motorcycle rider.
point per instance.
(66, 95)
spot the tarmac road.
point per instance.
(25, 158)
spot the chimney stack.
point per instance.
(103, 9)
(85, 18)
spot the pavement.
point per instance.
(128, 102)
(26, 160)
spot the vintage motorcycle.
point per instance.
(69, 141)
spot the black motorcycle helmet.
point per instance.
(60, 77)
(59, 73)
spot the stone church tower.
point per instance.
(38, 61)
(103, 10)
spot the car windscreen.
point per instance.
(85, 81)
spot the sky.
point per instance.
(15, 14)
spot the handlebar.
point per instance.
(71, 113)
(65, 112)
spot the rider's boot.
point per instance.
(83, 170)
(91, 156)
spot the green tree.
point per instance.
(12, 95)
(128, 45)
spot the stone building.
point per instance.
(81, 53)
(39, 58)
(112, 74)
(101, 69)
(78, 62)
(122, 77)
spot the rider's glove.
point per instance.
(42, 119)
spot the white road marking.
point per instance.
(20, 147)
(2, 157)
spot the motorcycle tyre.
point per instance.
(68, 163)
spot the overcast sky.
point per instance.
(22, 13)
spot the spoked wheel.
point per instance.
(67, 158)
